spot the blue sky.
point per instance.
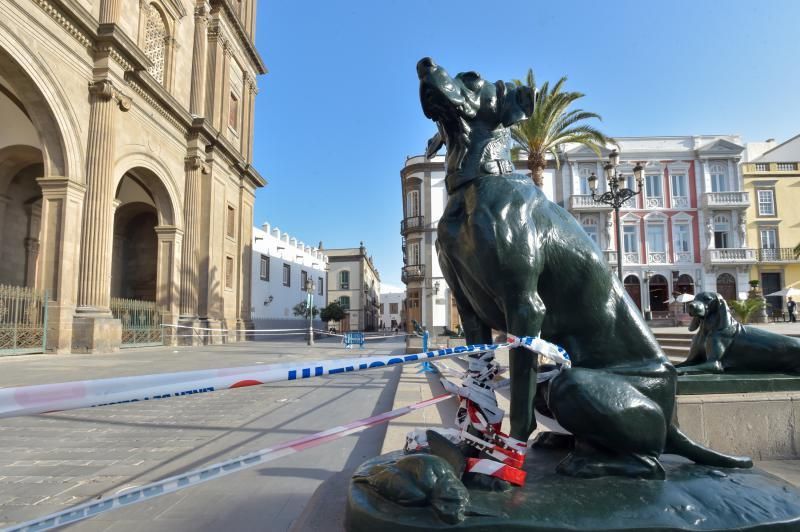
(339, 111)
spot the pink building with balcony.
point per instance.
(685, 232)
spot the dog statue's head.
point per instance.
(709, 309)
(472, 116)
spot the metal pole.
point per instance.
(310, 317)
(619, 243)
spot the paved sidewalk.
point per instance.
(50, 462)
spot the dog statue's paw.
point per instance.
(705, 367)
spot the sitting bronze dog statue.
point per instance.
(722, 344)
(519, 263)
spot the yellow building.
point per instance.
(773, 218)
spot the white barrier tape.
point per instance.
(218, 470)
(229, 330)
(38, 399)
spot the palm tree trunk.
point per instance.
(536, 166)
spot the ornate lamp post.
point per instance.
(616, 195)
(310, 306)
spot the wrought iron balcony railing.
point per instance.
(413, 272)
(411, 224)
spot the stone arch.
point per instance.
(726, 286)
(154, 176)
(45, 106)
(634, 289)
(659, 293)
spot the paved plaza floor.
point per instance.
(50, 462)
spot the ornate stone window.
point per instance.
(155, 41)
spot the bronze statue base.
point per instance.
(693, 498)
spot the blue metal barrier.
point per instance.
(353, 338)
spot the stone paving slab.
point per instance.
(49, 462)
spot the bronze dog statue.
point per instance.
(722, 344)
(517, 262)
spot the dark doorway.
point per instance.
(659, 293)
(135, 252)
(771, 282)
(726, 286)
(634, 289)
(685, 284)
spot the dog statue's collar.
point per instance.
(458, 179)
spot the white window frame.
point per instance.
(771, 201)
(414, 254)
(287, 274)
(720, 181)
(626, 234)
(682, 188)
(344, 280)
(774, 238)
(412, 203)
(721, 219)
(591, 222)
(650, 191)
(263, 268)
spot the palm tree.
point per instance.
(745, 309)
(551, 126)
(797, 251)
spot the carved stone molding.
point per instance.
(195, 162)
(105, 89)
(73, 30)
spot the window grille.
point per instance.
(155, 42)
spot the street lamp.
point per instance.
(310, 306)
(648, 312)
(616, 195)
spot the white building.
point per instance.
(281, 267)
(684, 233)
(391, 310)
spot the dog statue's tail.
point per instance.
(680, 444)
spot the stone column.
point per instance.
(190, 264)
(168, 266)
(110, 11)
(197, 105)
(251, 94)
(95, 330)
(225, 93)
(62, 207)
(214, 75)
(3, 204)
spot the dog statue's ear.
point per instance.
(715, 312)
(516, 102)
(435, 143)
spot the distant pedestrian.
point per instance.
(791, 306)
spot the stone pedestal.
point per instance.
(96, 334)
(750, 415)
(191, 336)
(692, 498)
(213, 337)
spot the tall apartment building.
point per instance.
(684, 233)
(772, 179)
(126, 163)
(282, 266)
(355, 283)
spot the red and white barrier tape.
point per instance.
(38, 399)
(220, 469)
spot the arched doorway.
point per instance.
(634, 289)
(142, 278)
(726, 286)
(20, 221)
(685, 284)
(659, 293)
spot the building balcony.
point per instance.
(654, 202)
(584, 202)
(731, 256)
(413, 272)
(740, 199)
(412, 224)
(680, 202)
(776, 255)
(628, 257)
(684, 257)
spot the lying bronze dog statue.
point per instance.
(519, 263)
(722, 344)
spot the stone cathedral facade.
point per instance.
(126, 178)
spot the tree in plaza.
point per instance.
(552, 125)
(333, 312)
(301, 310)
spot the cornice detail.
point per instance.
(73, 30)
(160, 109)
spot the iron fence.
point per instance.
(141, 322)
(23, 320)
